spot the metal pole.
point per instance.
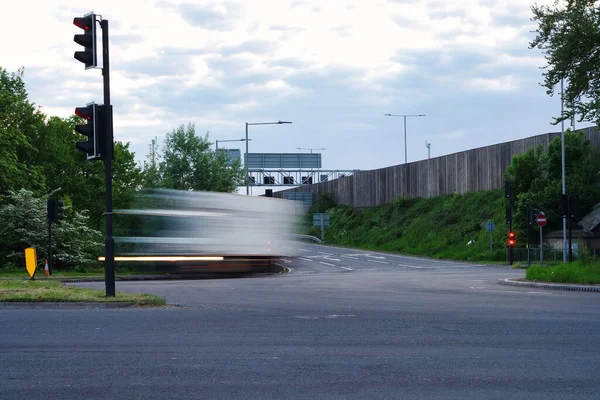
(216, 146)
(109, 266)
(541, 247)
(247, 178)
(490, 226)
(405, 150)
(564, 189)
(322, 227)
(528, 251)
(49, 246)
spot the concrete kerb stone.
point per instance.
(66, 305)
(546, 285)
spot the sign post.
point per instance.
(322, 220)
(541, 221)
(490, 227)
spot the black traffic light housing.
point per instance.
(56, 209)
(87, 40)
(93, 129)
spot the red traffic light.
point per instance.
(87, 40)
(85, 112)
(84, 23)
(512, 239)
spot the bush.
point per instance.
(24, 224)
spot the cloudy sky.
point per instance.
(332, 67)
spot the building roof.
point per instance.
(592, 220)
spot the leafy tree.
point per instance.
(569, 34)
(25, 224)
(67, 169)
(150, 171)
(19, 120)
(537, 179)
(188, 163)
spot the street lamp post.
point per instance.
(405, 116)
(246, 161)
(428, 145)
(228, 140)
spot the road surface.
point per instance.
(343, 324)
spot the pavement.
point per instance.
(342, 324)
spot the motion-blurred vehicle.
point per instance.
(184, 231)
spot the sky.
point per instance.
(333, 68)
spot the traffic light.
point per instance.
(87, 40)
(56, 209)
(512, 240)
(93, 129)
(59, 210)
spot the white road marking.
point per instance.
(409, 266)
(324, 252)
(354, 258)
(346, 268)
(478, 287)
(372, 256)
(305, 259)
(305, 250)
(380, 262)
(322, 262)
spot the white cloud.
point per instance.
(217, 62)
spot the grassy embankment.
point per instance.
(20, 290)
(449, 226)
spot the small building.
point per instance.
(587, 230)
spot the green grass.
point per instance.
(575, 272)
(54, 291)
(439, 227)
(22, 273)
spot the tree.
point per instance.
(569, 34)
(19, 121)
(537, 179)
(188, 163)
(25, 224)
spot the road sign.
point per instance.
(490, 226)
(541, 219)
(320, 219)
(30, 261)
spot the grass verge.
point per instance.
(575, 272)
(53, 291)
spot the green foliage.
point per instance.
(537, 180)
(323, 203)
(568, 33)
(188, 163)
(24, 224)
(440, 227)
(19, 121)
(575, 272)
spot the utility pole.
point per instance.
(428, 145)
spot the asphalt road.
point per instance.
(344, 324)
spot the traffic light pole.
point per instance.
(49, 246)
(109, 263)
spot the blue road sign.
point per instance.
(489, 226)
(317, 219)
